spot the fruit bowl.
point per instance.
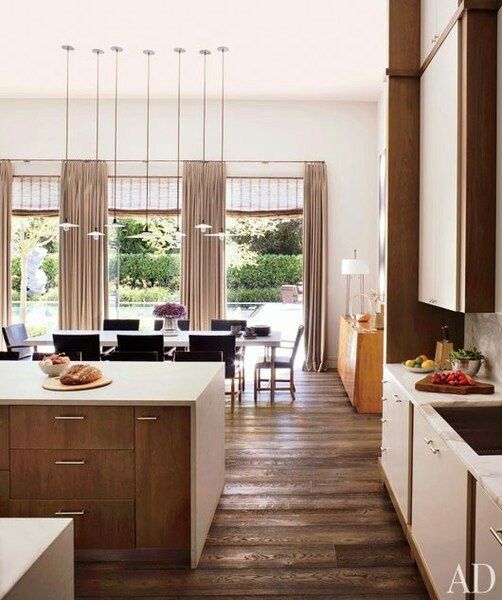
(418, 369)
(54, 365)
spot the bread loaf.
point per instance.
(79, 374)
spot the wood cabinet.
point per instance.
(396, 440)
(360, 364)
(488, 545)
(439, 507)
(436, 14)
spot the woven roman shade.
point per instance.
(131, 195)
(264, 196)
(35, 195)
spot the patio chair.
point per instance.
(281, 362)
(289, 294)
(14, 335)
(87, 344)
(141, 343)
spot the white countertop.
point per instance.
(486, 469)
(22, 542)
(134, 384)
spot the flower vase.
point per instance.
(170, 326)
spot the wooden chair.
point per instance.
(226, 345)
(133, 356)
(226, 325)
(141, 343)
(121, 325)
(87, 344)
(73, 356)
(14, 335)
(9, 355)
(281, 362)
(207, 356)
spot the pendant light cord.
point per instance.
(97, 52)
(222, 49)
(148, 53)
(115, 49)
(179, 51)
(67, 48)
(205, 54)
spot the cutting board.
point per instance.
(425, 385)
(55, 385)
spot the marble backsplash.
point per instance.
(484, 330)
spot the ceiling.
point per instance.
(279, 49)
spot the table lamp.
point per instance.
(354, 267)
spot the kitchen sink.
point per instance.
(479, 426)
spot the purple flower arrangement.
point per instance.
(170, 310)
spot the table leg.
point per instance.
(272, 374)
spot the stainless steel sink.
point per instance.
(479, 426)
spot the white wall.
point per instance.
(344, 135)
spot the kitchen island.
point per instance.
(138, 464)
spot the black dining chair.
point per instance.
(13, 336)
(141, 343)
(226, 325)
(9, 355)
(202, 356)
(121, 325)
(133, 356)
(87, 344)
(281, 362)
(73, 356)
(183, 324)
(226, 345)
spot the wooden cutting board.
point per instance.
(426, 385)
(55, 385)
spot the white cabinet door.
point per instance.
(439, 227)
(488, 549)
(396, 443)
(439, 507)
(436, 14)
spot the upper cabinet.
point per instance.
(436, 14)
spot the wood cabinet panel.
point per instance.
(162, 445)
(72, 427)
(49, 474)
(4, 437)
(104, 524)
(488, 547)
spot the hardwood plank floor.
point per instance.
(303, 514)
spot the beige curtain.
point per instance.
(83, 261)
(203, 283)
(315, 249)
(6, 174)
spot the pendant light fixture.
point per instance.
(65, 225)
(115, 224)
(203, 226)
(146, 234)
(223, 49)
(178, 235)
(95, 234)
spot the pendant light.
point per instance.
(146, 234)
(178, 235)
(203, 226)
(66, 225)
(95, 234)
(223, 49)
(115, 224)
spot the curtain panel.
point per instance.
(83, 261)
(315, 249)
(6, 176)
(203, 281)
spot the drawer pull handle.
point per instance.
(69, 418)
(383, 420)
(497, 534)
(383, 449)
(146, 418)
(432, 449)
(397, 398)
(69, 513)
(384, 381)
(427, 441)
(69, 462)
(384, 399)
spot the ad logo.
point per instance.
(459, 580)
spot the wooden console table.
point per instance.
(360, 364)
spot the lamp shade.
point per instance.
(355, 266)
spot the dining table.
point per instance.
(180, 340)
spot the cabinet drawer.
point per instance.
(99, 524)
(4, 437)
(72, 427)
(488, 549)
(72, 474)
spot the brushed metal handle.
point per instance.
(69, 418)
(382, 449)
(497, 534)
(384, 399)
(384, 381)
(146, 418)
(432, 449)
(397, 398)
(70, 462)
(427, 440)
(383, 420)
(69, 513)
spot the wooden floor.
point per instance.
(303, 514)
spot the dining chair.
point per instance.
(14, 335)
(141, 343)
(281, 362)
(87, 344)
(9, 355)
(201, 356)
(121, 325)
(226, 345)
(226, 325)
(183, 324)
(73, 356)
(133, 356)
